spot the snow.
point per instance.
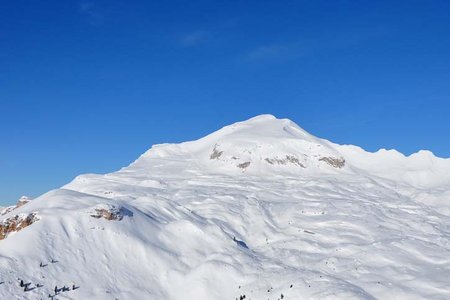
(375, 227)
(22, 201)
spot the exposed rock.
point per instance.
(216, 153)
(284, 161)
(273, 161)
(22, 201)
(6, 210)
(16, 223)
(334, 162)
(244, 165)
(294, 160)
(108, 212)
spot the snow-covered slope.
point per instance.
(260, 208)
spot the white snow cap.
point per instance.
(259, 208)
(259, 146)
(265, 145)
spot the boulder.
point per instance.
(107, 211)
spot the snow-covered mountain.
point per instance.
(260, 209)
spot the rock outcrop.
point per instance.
(216, 153)
(107, 211)
(289, 159)
(16, 223)
(21, 202)
(334, 162)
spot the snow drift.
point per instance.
(260, 209)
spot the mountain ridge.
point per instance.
(186, 221)
(266, 132)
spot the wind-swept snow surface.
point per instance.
(260, 209)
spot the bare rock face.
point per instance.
(16, 223)
(244, 165)
(108, 212)
(336, 162)
(6, 210)
(216, 153)
(22, 201)
(289, 159)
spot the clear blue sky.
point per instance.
(87, 86)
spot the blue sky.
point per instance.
(87, 86)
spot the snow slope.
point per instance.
(259, 208)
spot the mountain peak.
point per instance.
(186, 218)
(261, 127)
(262, 117)
(261, 145)
(265, 145)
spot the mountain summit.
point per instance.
(265, 146)
(258, 209)
(259, 146)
